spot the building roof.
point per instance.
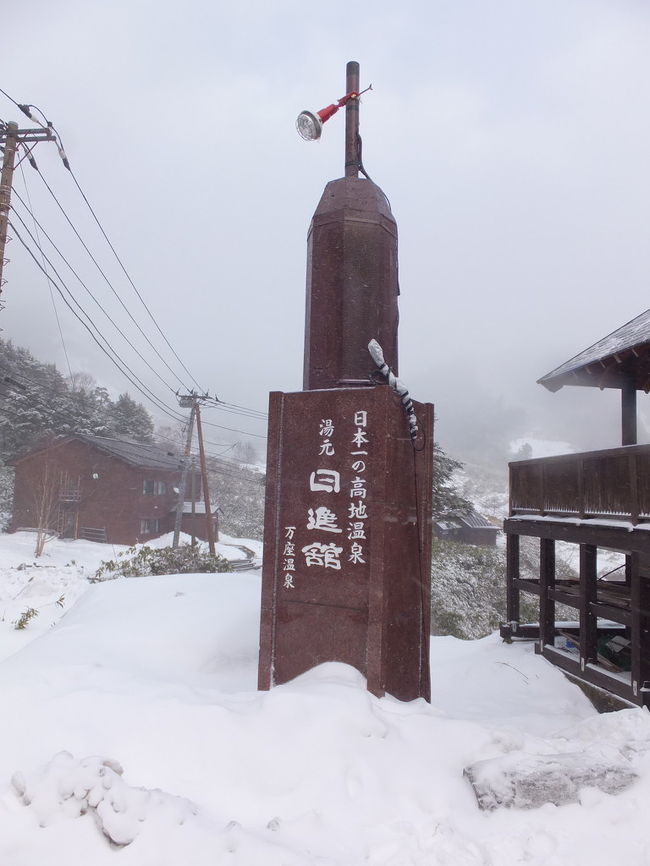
(476, 521)
(609, 363)
(136, 453)
(473, 520)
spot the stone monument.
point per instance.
(347, 527)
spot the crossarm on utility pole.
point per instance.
(10, 137)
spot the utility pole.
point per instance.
(204, 475)
(180, 506)
(10, 139)
(194, 401)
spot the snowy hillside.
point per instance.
(136, 718)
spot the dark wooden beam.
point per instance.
(512, 576)
(591, 675)
(639, 631)
(613, 537)
(628, 410)
(588, 596)
(547, 585)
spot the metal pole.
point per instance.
(352, 121)
(6, 178)
(204, 476)
(180, 505)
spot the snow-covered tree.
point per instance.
(447, 498)
(128, 418)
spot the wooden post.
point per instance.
(10, 144)
(639, 633)
(512, 576)
(588, 595)
(628, 411)
(10, 138)
(193, 497)
(204, 475)
(180, 505)
(581, 488)
(546, 584)
(634, 488)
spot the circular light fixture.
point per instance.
(309, 126)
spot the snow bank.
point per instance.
(159, 674)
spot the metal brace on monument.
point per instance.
(347, 526)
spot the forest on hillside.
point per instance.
(38, 402)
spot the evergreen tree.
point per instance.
(38, 403)
(447, 499)
(128, 418)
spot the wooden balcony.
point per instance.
(70, 493)
(611, 485)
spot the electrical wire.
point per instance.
(88, 317)
(97, 302)
(66, 163)
(49, 126)
(49, 284)
(128, 276)
(129, 375)
(108, 282)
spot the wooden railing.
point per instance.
(612, 484)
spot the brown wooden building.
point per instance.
(470, 528)
(100, 489)
(596, 500)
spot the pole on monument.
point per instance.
(352, 120)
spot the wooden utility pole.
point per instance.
(180, 506)
(204, 475)
(10, 138)
(193, 401)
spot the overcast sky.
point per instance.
(511, 136)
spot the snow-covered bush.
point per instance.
(468, 587)
(145, 561)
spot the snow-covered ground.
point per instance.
(158, 675)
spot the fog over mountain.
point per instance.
(511, 139)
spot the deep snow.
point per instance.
(159, 675)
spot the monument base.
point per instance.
(347, 539)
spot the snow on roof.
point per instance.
(135, 453)
(631, 340)
(476, 521)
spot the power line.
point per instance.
(128, 276)
(150, 396)
(49, 126)
(49, 284)
(102, 272)
(88, 317)
(97, 302)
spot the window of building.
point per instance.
(154, 488)
(149, 526)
